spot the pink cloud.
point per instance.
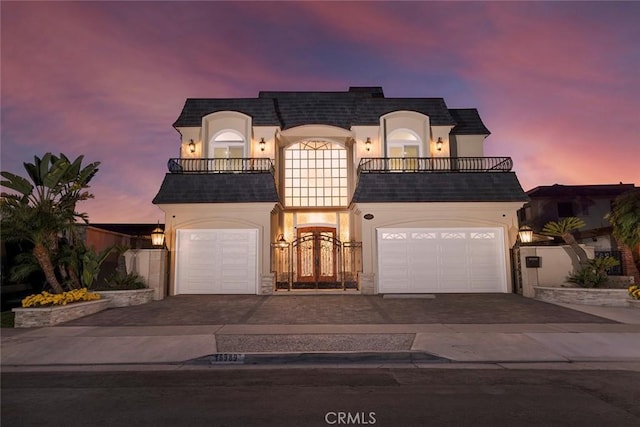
(555, 83)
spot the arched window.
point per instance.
(404, 143)
(227, 144)
(404, 147)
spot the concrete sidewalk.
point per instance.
(607, 344)
(458, 343)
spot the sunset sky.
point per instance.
(557, 83)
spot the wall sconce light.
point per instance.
(192, 147)
(262, 144)
(525, 234)
(157, 236)
(367, 144)
(439, 144)
(281, 242)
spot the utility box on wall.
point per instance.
(532, 262)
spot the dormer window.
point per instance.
(404, 144)
(227, 145)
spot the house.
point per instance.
(591, 203)
(352, 190)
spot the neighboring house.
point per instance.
(591, 203)
(100, 236)
(337, 190)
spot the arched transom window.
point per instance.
(404, 143)
(404, 149)
(227, 145)
(315, 174)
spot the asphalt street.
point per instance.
(320, 397)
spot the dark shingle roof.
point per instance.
(217, 188)
(322, 108)
(468, 122)
(368, 111)
(571, 191)
(439, 187)
(358, 106)
(261, 111)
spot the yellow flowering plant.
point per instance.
(46, 299)
(634, 291)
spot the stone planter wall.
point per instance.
(602, 297)
(49, 316)
(128, 297)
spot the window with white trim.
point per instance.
(227, 148)
(227, 145)
(406, 145)
(315, 174)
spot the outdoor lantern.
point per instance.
(367, 144)
(525, 234)
(439, 144)
(282, 243)
(192, 147)
(157, 236)
(262, 144)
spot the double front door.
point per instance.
(316, 254)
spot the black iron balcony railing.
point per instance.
(235, 165)
(435, 164)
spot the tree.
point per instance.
(625, 220)
(43, 206)
(563, 229)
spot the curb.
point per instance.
(316, 358)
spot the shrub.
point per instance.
(594, 273)
(46, 299)
(121, 282)
(634, 292)
(587, 277)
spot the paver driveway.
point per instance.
(337, 309)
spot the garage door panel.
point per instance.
(216, 261)
(441, 260)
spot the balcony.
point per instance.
(234, 165)
(435, 164)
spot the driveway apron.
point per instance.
(337, 309)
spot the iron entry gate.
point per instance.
(316, 259)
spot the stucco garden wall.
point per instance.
(556, 263)
(151, 265)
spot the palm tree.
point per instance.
(563, 229)
(43, 206)
(625, 220)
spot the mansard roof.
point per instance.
(439, 187)
(359, 106)
(216, 188)
(468, 122)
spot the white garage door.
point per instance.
(418, 260)
(216, 261)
